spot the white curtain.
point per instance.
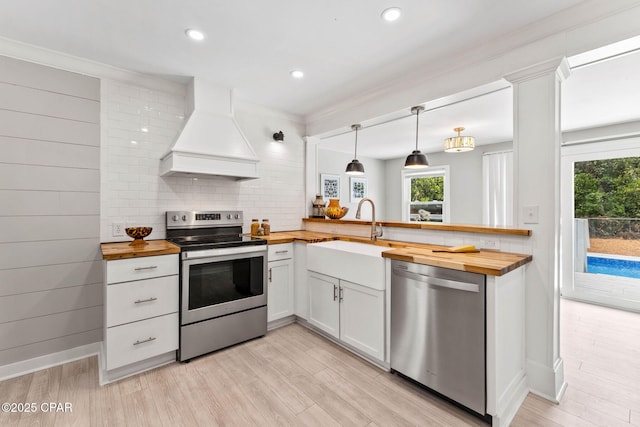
(497, 188)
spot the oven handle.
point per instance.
(208, 253)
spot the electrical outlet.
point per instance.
(117, 229)
(490, 244)
(530, 214)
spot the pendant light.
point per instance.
(355, 167)
(458, 144)
(416, 159)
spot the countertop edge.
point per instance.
(469, 228)
(122, 250)
(396, 247)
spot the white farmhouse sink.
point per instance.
(359, 263)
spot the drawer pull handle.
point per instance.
(140, 301)
(282, 252)
(151, 267)
(144, 341)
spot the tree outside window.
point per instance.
(426, 189)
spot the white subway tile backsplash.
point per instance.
(133, 191)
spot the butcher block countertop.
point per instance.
(469, 228)
(122, 250)
(493, 263)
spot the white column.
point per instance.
(536, 143)
(312, 186)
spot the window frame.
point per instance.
(431, 171)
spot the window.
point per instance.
(426, 194)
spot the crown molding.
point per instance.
(75, 64)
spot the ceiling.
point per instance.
(344, 48)
(601, 90)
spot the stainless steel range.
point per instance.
(223, 276)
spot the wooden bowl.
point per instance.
(138, 234)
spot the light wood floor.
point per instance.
(601, 351)
(294, 377)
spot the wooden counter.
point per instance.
(469, 228)
(122, 250)
(493, 263)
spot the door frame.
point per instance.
(615, 147)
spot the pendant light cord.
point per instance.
(417, 118)
(355, 154)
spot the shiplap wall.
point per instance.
(50, 268)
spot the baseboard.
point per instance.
(48, 360)
(278, 323)
(106, 377)
(546, 382)
(510, 402)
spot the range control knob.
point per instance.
(237, 216)
(228, 216)
(184, 217)
(175, 217)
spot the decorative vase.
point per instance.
(318, 207)
(334, 211)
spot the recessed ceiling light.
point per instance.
(391, 14)
(144, 129)
(297, 74)
(194, 34)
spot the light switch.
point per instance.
(530, 214)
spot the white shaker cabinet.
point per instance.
(346, 284)
(280, 281)
(350, 312)
(141, 313)
(362, 318)
(324, 308)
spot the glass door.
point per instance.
(601, 206)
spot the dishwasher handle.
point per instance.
(435, 281)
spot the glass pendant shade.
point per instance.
(459, 144)
(355, 167)
(416, 159)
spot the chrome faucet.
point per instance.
(374, 228)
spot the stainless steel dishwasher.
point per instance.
(438, 330)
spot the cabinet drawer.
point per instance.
(280, 251)
(131, 301)
(141, 340)
(126, 270)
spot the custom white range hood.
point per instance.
(211, 142)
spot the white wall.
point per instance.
(50, 268)
(134, 193)
(334, 163)
(465, 173)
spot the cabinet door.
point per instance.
(362, 318)
(324, 307)
(280, 290)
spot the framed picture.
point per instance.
(330, 186)
(358, 189)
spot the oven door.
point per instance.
(218, 282)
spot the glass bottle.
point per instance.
(266, 227)
(254, 226)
